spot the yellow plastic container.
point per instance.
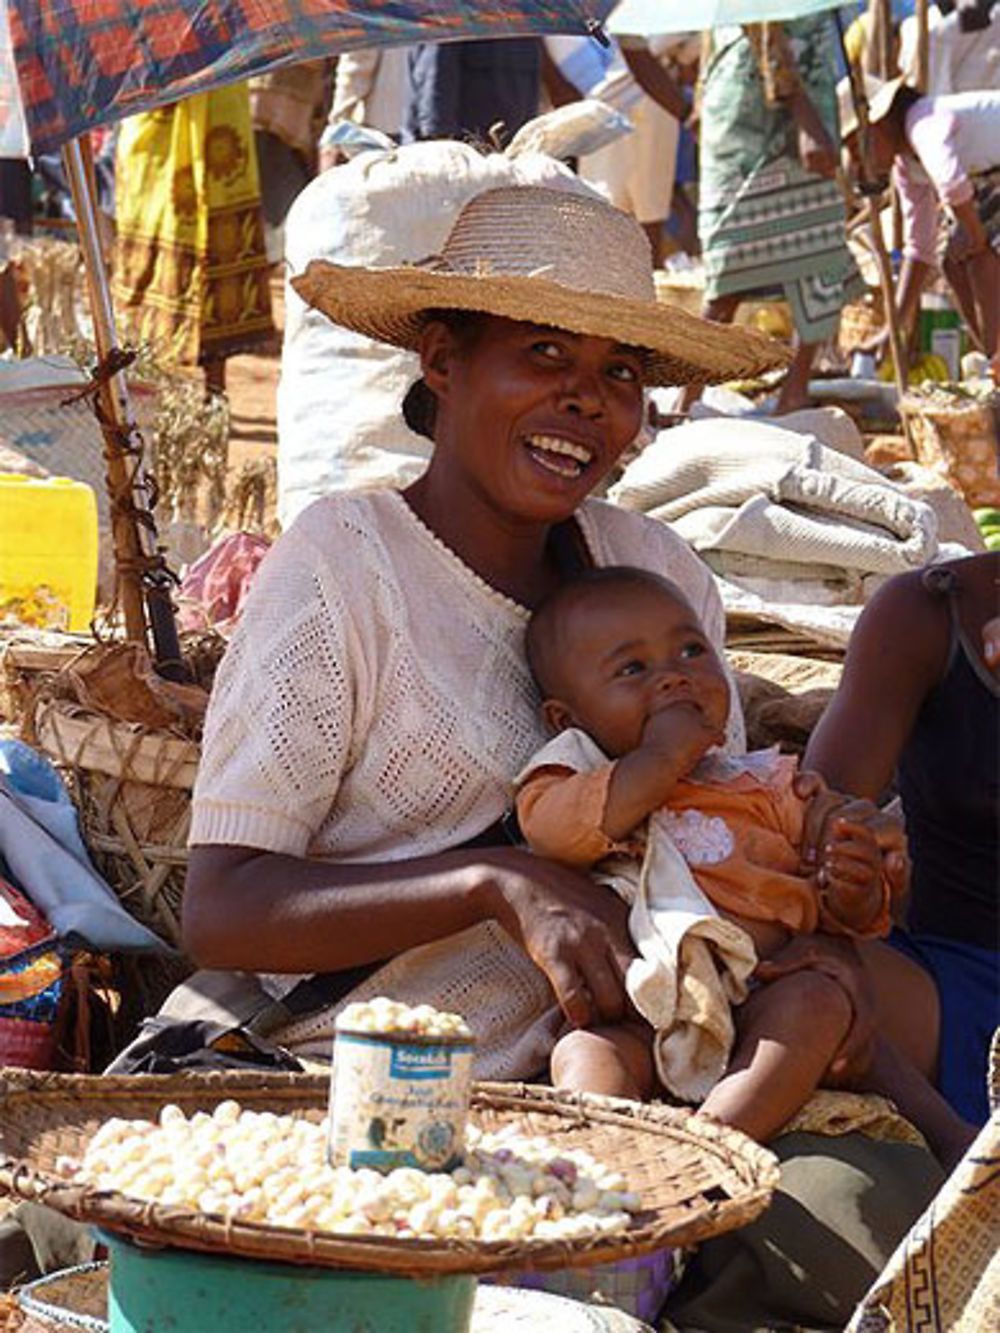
(48, 551)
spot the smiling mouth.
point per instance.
(564, 458)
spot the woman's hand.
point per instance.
(816, 149)
(838, 959)
(575, 930)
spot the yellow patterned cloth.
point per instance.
(944, 1277)
(836, 1113)
(191, 273)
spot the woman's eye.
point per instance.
(625, 373)
(545, 347)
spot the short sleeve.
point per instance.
(282, 723)
(561, 813)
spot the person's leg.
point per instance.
(984, 279)
(654, 234)
(906, 999)
(957, 277)
(794, 392)
(916, 1098)
(721, 309)
(787, 1033)
(614, 1061)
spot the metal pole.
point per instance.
(142, 579)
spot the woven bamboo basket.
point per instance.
(960, 440)
(861, 320)
(132, 788)
(696, 1179)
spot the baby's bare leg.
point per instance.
(616, 1061)
(787, 1033)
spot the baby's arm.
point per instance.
(673, 740)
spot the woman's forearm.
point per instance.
(260, 911)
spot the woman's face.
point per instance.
(530, 418)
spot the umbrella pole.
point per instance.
(142, 580)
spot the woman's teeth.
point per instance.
(560, 456)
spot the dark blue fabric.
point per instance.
(460, 89)
(968, 983)
(949, 781)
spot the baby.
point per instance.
(619, 654)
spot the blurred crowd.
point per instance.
(742, 159)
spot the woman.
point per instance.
(770, 214)
(920, 700)
(191, 270)
(375, 702)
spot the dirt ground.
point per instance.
(251, 383)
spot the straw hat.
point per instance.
(547, 256)
(879, 96)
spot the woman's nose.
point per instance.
(581, 394)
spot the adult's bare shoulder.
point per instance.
(896, 655)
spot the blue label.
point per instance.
(420, 1062)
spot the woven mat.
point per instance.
(695, 1179)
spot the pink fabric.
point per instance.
(954, 137)
(216, 585)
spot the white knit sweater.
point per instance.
(374, 705)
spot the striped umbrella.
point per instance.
(84, 63)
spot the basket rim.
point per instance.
(755, 1168)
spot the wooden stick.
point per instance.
(899, 362)
(125, 535)
(141, 577)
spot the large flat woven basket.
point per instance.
(696, 1179)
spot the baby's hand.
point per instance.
(683, 733)
(849, 879)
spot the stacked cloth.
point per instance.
(795, 532)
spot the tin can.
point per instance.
(399, 1099)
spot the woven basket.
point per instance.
(696, 1179)
(132, 788)
(861, 320)
(960, 441)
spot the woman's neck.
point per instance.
(513, 558)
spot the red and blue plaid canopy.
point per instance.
(83, 63)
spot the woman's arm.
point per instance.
(261, 911)
(895, 656)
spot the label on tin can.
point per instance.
(398, 1101)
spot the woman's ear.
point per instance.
(557, 716)
(437, 356)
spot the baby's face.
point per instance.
(628, 651)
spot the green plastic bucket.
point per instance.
(183, 1291)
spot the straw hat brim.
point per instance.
(391, 305)
(879, 96)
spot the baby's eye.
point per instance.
(693, 649)
(633, 668)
